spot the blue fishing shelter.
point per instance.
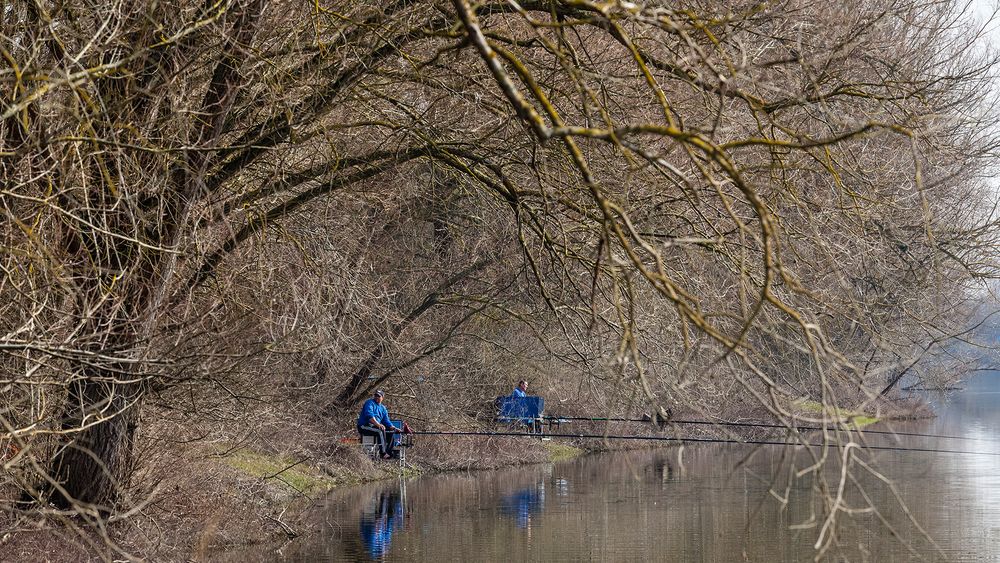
(526, 410)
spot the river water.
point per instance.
(711, 503)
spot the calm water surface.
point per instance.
(712, 504)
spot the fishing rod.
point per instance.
(675, 439)
(759, 425)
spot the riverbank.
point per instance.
(199, 497)
(283, 489)
(255, 497)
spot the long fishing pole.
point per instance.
(675, 439)
(759, 425)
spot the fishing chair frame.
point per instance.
(400, 443)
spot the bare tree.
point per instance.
(713, 190)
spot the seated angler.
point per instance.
(374, 421)
(518, 405)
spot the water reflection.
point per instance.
(380, 518)
(715, 503)
(525, 502)
(664, 469)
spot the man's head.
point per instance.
(379, 395)
(522, 385)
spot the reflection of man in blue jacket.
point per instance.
(523, 503)
(374, 421)
(377, 529)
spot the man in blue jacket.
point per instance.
(374, 421)
(526, 412)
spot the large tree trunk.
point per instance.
(94, 468)
(125, 277)
(101, 414)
